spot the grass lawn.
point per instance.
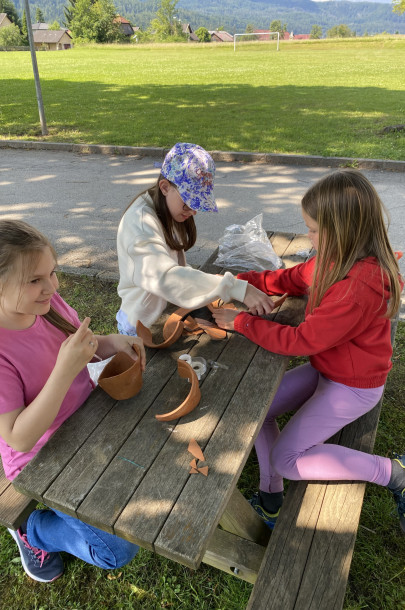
(324, 97)
(377, 576)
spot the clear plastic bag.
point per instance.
(247, 247)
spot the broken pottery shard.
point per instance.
(193, 463)
(203, 470)
(195, 450)
(193, 471)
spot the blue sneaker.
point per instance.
(38, 564)
(269, 519)
(399, 494)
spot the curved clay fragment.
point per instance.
(193, 398)
(180, 321)
(147, 338)
(176, 318)
(280, 300)
(121, 378)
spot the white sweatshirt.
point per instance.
(150, 273)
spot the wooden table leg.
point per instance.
(241, 519)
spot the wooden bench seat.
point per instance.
(307, 561)
(14, 507)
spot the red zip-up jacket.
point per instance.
(347, 337)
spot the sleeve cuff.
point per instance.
(241, 322)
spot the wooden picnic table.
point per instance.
(114, 466)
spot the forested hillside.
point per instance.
(233, 15)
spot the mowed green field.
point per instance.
(330, 98)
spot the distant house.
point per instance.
(125, 27)
(186, 28)
(264, 35)
(52, 40)
(220, 36)
(4, 20)
(261, 35)
(302, 36)
(40, 26)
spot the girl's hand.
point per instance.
(124, 343)
(258, 303)
(77, 350)
(225, 318)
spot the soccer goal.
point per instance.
(258, 34)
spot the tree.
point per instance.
(7, 6)
(166, 24)
(316, 32)
(203, 34)
(39, 17)
(340, 31)
(68, 12)
(398, 6)
(93, 21)
(24, 29)
(10, 36)
(277, 26)
(54, 26)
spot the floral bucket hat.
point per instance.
(191, 169)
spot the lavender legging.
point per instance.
(298, 452)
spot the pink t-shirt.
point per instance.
(27, 358)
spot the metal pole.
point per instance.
(35, 69)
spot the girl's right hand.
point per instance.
(258, 302)
(77, 350)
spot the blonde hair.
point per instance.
(350, 217)
(178, 235)
(21, 246)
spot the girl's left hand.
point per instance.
(225, 318)
(124, 343)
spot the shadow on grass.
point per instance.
(316, 120)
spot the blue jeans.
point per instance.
(53, 531)
(124, 325)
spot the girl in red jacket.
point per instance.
(354, 290)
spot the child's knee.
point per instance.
(283, 460)
(115, 555)
(127, 553)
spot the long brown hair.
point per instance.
(20, 249)
(178, 235)
(350, 217)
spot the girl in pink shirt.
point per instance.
(44, 352)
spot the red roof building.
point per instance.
(125, 27)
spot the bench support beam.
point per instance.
(234, 555)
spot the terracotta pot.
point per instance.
(122, 376)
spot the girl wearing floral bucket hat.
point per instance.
(155, 231)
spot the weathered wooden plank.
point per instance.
(226, 455)
(14, 506)
(149, 507)
(326, 570)
(234, 555)
(280, 574)
(241, 519)
(42, 470)
(92, 458)
(139, 451)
